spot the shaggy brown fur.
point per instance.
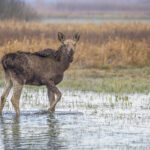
(45, 67)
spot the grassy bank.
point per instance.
(131, 80)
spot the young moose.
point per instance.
(45, 67)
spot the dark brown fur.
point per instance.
(39, 67)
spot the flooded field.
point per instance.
(83, 120)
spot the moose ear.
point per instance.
(61, 37)
(76, 37)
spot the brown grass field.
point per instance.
(100, 46)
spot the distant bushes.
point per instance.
(16, 9)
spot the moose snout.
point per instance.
(71, 52)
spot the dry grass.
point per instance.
(101, 45)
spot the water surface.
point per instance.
(83, 120)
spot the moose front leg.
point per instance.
(51, 97)
(54, 90)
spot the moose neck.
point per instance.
(64, 60)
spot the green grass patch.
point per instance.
(116, 80)
(107, 85)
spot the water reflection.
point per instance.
(10, 129)
(16, 132)
(53, 133)
(30, 132)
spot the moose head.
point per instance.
(69, 45)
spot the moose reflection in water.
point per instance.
(45, 67)
(17, 132)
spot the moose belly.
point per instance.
(38, 81)
(58, 78)
(35, 80)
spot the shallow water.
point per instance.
(83, 120)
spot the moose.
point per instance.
(45, 67)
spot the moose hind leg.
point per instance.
(17, 88)
(8, 86)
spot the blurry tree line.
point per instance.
(129, 8)
(16, 9)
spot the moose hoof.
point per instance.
(0, 111)
(51, 110)
(17, 114)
